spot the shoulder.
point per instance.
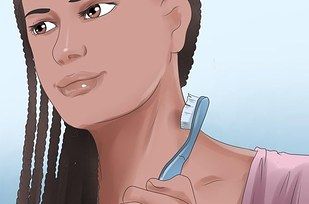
(215, 158)
(216, 167)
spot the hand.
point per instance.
(177, 190)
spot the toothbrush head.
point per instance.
(188, 111)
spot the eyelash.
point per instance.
(31, 28)
(84, 12)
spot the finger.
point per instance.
(135, 194)
(179, 186)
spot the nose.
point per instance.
(68, 47)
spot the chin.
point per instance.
(88, 123)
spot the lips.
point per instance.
(79, 83)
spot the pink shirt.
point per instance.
(277, 178)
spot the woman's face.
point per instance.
(127, 42)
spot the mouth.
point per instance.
(79, 83)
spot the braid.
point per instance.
(63, 166)
(78, 170)
(35, 190)
(185, 56)
(55, 132)
(25, 174)
(90, 178)
(81, 187)
(75, 164)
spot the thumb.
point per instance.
(156, 185)
(178, 187)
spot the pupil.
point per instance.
(40, 27)
(94, 11)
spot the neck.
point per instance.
(136, 146)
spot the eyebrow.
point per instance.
(45, 10)
(36, 11)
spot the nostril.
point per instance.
(69, 54)
(73, 56)
(61, 62)
(84, 50)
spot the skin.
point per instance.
(134, 115)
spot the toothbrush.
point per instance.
(199, 107)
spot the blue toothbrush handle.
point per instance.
(174, 165)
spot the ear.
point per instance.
(177, 14)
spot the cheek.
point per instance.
(47, 72)
(133, 46)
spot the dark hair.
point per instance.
(77, 177)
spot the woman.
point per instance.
(113, 71)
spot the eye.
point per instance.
(97, 10)
(42, 27)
